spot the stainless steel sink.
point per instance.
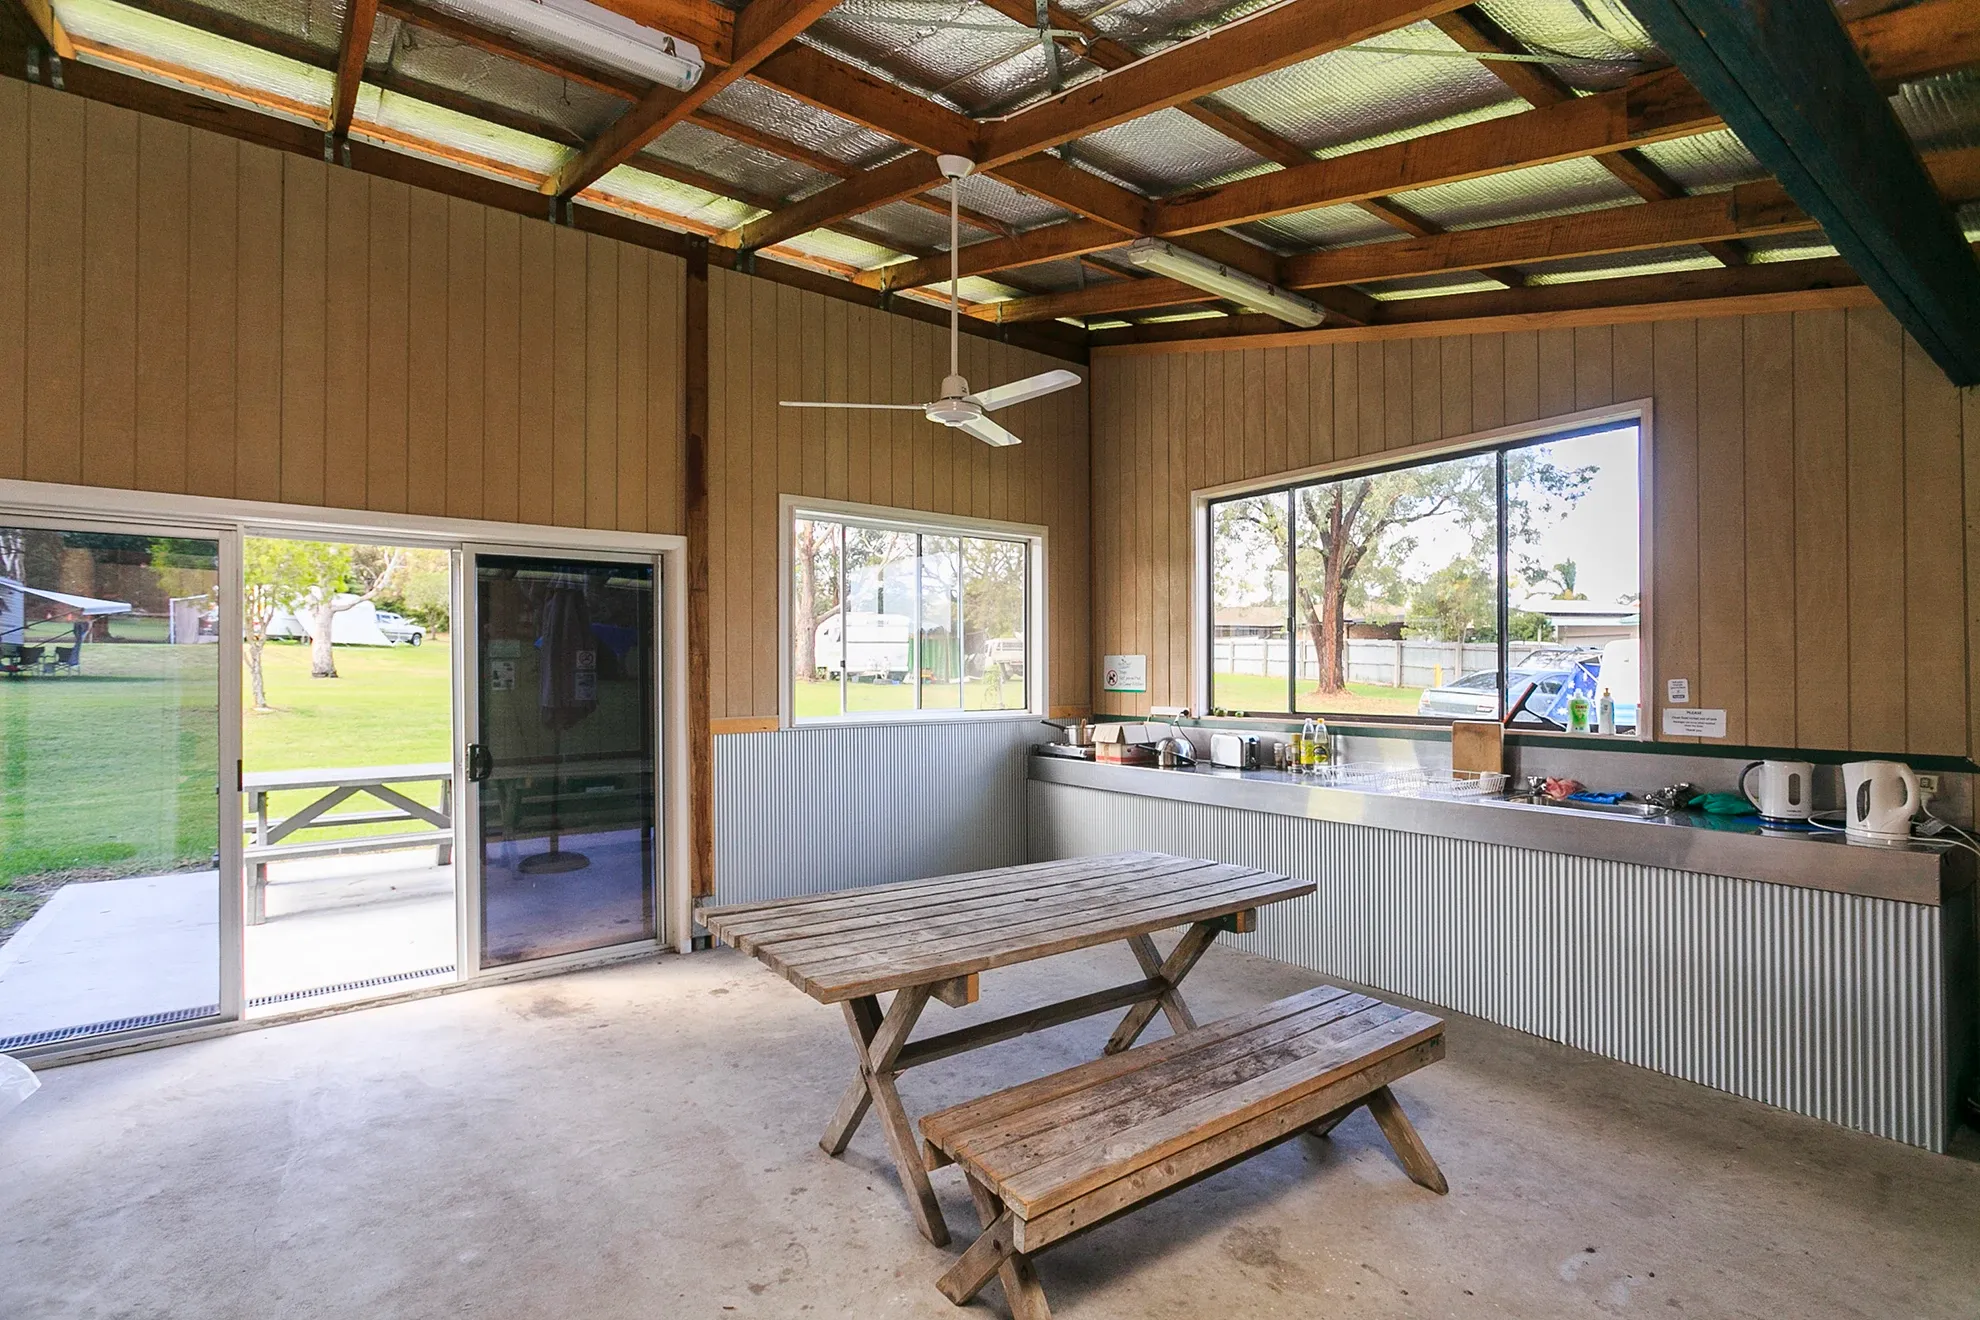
(1630, 810)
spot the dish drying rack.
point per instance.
(1409, 781)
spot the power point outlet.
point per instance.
(1928, 787)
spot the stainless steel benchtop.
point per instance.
(1918, 872)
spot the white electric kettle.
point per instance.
(1786, 789)
(1879, 800)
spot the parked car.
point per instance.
(399, 630)
(1558, 677)
(1476, 695)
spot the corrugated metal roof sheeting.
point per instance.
(784, 116)
(747, 167)
(1165, 152)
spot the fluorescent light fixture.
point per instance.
(596, 34)
(1202, 273)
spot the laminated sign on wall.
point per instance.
(1124, 673)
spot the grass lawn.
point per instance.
(1256, 692)
(111, 773)
(388, 705)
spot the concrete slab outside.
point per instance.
(113, 950)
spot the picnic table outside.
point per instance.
(931, 939)
(272, 839)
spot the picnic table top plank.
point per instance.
(339, 776)
(1105, 1121)
(859, 942)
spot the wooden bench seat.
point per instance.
(1059, 1155)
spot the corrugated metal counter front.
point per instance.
(1831, 980)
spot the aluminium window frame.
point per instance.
(1036, 614)
(1497, 440)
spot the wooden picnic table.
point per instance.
(333, 787)
(931, 939)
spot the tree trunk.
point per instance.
(322, 661)
(256, 684)
(805, 621)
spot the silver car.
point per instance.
(399, 630)
(1476, 696)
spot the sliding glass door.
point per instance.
(111, 815)
(562, 756)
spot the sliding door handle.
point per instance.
(480, 763)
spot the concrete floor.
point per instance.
(640, 1142)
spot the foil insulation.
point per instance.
(1941, 113)
(140, 33)
(1165, 152)
(781, 115)
(842, 249)
(673, 198)
(1000, 201)
(987, 62)
(1430, 286)
(1705, 162)
(1617, 265)
(320, 23)
(1347, 100)
(1790, 247)
(750, 168)
(1562, 188)
(1330, 226)
(579, 111)
(916, 229)
(1611, 44)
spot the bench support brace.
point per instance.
(994, 1253)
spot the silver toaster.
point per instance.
(1236, 750)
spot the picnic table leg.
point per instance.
(1022, 1291)
(879, 1040)
(445, 852)
(258, 872)
(1171, 970)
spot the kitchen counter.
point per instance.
(1921, 871)
(1830, 978)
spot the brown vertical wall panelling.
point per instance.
(1787, 449)
(772, 342)
(190, 314)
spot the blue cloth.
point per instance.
(1590, 795)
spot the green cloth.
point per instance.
(1722, 804)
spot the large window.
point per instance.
(901, 619)
(1447, 588)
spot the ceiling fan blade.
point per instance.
(901, 407)
(988, 432)
(1018, 391)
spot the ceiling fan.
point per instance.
(957, 406)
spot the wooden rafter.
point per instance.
(1539, 85)
(352, 50)
(909, 175)
(1093, 300)
(762, 29)
(1653, 107)
(1749, 211)
(609, 81)
(42, 14)
(1794, 87)
(1269, 40)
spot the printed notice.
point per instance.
(1694, 723)
(502, 675)
(1124, 673)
